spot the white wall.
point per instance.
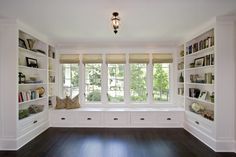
(225, 80)
(9, 62)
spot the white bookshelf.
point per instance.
(28, 91)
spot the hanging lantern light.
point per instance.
(115, 21)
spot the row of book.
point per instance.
(27, 95)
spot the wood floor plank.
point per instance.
(117, 142)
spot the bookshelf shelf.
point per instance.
(23, 50)
(32, 84)
(33, 100)
(199, 68)
(31, 68)
(206, 50)
(200, 84)
(199, 100)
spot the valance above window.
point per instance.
(115, 59)
(139, 58)
(92, 58)
(69, 58)
(162, 58)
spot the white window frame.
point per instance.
(127, 100)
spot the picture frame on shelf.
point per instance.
(199, 62)
(31, 62)
(203, 95)
(22, 43)
(212, 59)
(31, 43)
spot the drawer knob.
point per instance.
(63, 118)
(168, 119)
(115, 118)
(197, 122)
(35, 121)
(142, 119)
(89, 118)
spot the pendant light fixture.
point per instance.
(115, 21)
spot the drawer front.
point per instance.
(143, 119)
(60, 119)
(89, 118)
(116, 118)
(170, 117)
(30, 123)
(200, 124)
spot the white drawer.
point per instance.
(200, 123)
(89, 118)
(142, 118)
(63, 118)
(168, 117)
(116, 118)
(28, 124)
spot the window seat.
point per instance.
(118, 117)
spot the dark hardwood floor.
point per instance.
(78, 142)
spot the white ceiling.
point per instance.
(142, 21)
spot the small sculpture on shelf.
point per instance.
(21, 78)
(41, 91)
(181, 78)
(197, 108)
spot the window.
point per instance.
(115, 82)
(93, 82)
(161, 82)
(138, 83)
(70, 74)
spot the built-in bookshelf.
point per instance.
(32, 74)
(51, 76)
(180, 75)
(200, 74)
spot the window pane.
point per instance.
(115, 82)
(161, 82)
(92, 82)
(70, 74)
(138, 89)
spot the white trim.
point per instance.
(209, 141)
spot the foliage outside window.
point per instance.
(70, 74)
(115, 82)
(138, 86)
(92, 82)
(161, 82)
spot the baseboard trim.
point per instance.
(216, 145)
(8, 144)
(225, 146)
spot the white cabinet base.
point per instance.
(15, 144)
(129, 118)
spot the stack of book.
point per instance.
(27, 95)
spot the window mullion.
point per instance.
(150, 84)
(127, 82)
(82, 82)
(104, 82)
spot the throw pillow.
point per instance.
(72, 103)
(61, 103)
